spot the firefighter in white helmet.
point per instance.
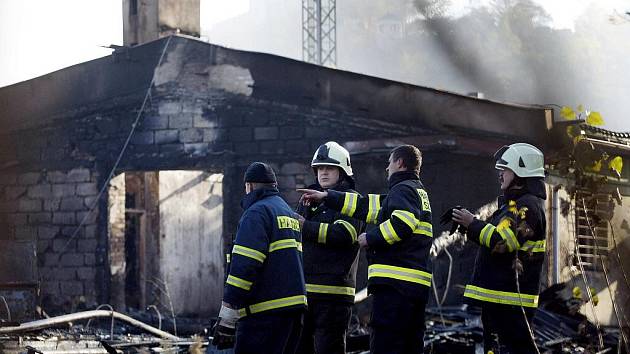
(397, 250)
(331, 255)
(507, 275)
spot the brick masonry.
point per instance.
(47, 207)
(51, 171)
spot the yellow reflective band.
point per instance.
(278, 303)
(286, 243)
(501, 297)
(399, 273)
(350, 204)
(351, 230)
(534, 246)
(287, 222)
(249, 252)
(239, 283)
(508, 235)
(418, 227)
(227, 258)
(407, 217)
(374, 206)
(323, 231)
(388, 232)
(424, 198)
(424, 228)
(486, 235)
(329, 289)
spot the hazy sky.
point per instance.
(40, 36)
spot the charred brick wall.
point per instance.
(210, 109)
(62, 166)
(47, 207)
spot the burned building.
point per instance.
(125, 173)
(121, 177)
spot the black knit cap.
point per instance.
(260, 172)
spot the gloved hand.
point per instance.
(448, 217)
(224, 330)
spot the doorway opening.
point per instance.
(165, 233)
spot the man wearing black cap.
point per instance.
(265, 290)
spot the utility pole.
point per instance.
(319, 32)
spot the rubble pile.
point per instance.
(558, 328)
(93, 332)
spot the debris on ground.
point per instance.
(558, 328)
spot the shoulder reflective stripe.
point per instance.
(388, 232)
(351, 230)
(323, 232)
(407, 217)
(424, 198)
(534, 246)
(424, 228)
(399, 273)
(249, 252)
(286, 243)
(486, 235)
(239, 283)
(349, 204)
(329, 289)
(501, 297)
(508, 235)
(374, 206)
(278, 303)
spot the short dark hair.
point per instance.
(411, 156)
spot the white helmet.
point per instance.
(332, 154)
(523, 159)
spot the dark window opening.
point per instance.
(133, 7)
(134, 218)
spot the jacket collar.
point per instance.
(257, 195)
(402, 176)
(341, 186)
(514, 193)
(534, 186)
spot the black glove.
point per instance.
(224, 331)
(448, 217)
(223, 337)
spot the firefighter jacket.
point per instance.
(398, 250)
(513, 237)
(331, 251)
(266, 262)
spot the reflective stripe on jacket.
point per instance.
(399, 244)
(331, 250)
(265, 272)
(517, 229)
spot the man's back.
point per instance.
(266, 272)
(396, 260)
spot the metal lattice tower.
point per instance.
(319, 32)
